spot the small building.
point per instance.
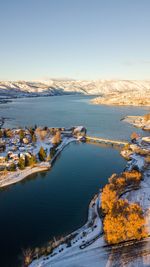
(80, 131)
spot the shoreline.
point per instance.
(118, 104)
(138, 121)
(19, 175)
(63, 254)
(96, 99)
(78, 239)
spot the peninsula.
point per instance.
(142, 122)
(25, 151)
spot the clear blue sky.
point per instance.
(81, 39)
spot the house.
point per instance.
(80, 131)
(13, 156)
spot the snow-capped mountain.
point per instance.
(60, 87)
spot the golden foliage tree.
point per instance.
(108, 198)
(124, 222)
(57, 138)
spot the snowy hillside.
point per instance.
(10, 89)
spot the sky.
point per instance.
(74, 39)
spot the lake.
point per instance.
(58, 111)
(55, 203)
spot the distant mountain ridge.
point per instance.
(11, 89)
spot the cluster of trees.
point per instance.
(12, 167)
(32, 134)
(47, 132)
(27, 257)
(54, 130)
(123, 221)
(42, 154)
(27, 161)
(31, 160)
(30, 254)
(6, 133)
(57, 138)
(42, 133)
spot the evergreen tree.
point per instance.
(52, 152)
(34, 138)
(30, 161)
(42, 154)
(12, 167)
(21, 135)
(21, 163)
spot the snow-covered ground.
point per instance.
(87, 242)
(139, 122)
(142, 195)
(19, 175)
(126, 98)
(113, 91)
(96, 253)
(12, 149)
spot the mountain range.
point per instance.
(106, 89)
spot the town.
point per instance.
(24, 151)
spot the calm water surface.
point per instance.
(55, 203)
(59, 111)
